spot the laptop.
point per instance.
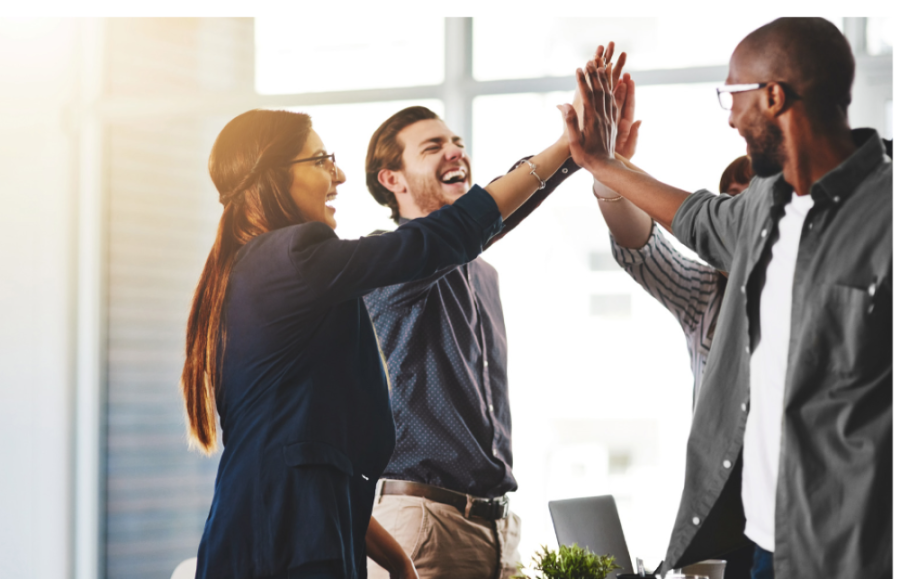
(593, 523)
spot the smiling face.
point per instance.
(314, 184)
(436, 169)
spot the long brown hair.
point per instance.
(249, 167)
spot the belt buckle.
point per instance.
(501, 505)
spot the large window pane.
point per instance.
(600, 381)
(880, 35)
(314, 55)
(346, 129)
(528, 47)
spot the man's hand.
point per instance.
(595, 145)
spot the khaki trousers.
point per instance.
(442, 543)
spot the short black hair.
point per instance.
(813, 58)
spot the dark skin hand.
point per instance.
(594, 146)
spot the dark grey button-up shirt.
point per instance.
(834, 495)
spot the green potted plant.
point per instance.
(569, 563)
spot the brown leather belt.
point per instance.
(469, 506)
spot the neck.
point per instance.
(811, 154)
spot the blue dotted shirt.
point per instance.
(444, 340)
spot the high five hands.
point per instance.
(600, 121)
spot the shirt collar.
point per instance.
(402, 220)
(842, 181)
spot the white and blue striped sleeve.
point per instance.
(685, 287)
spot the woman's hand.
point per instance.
(595, 145)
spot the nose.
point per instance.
(339, 176)
(731, 119)
(454, 152)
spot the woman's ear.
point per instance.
(393, 181)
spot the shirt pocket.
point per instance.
(313, 453)
(854, 330)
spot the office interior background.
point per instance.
(108, 214)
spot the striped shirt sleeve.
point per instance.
(689, 290)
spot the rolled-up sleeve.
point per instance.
(709, 224)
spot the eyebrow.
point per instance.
(457, 140)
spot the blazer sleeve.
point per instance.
(335, 270)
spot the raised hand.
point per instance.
(595, 144)
(626, 140)
(627, 127)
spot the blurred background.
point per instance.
(108, 214)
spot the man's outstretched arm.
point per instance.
(593, 148)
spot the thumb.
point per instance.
(631, 144)
(573, 133)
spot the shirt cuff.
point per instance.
(481, 207)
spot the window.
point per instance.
(556, 46)
(312, 55)
(880, 35)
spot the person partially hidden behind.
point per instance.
(791, 442)
(444, 490)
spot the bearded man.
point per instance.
(791, 442)
(444, 496)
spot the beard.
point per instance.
(427, 193)
(766, 149)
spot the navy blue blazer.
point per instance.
(303, 400)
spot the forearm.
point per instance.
(514, 188)
(384, 550)
(658, 200)
(629, 226)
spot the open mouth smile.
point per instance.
(454, 175)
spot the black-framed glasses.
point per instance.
(318, 158)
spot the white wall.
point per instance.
(37, 207)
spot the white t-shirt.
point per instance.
(768, 371)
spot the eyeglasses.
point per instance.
(726, 93)
(331, 157)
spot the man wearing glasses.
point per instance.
(790, 444)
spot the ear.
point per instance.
(776, 99)
(393, 181)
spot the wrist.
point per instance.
(604, 193)
(602, 168)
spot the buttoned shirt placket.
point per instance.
(485, 366)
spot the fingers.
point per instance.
(621, 93)
(627, 107)
(573, 133)
(611, 104)
(584, 89)
(629, 147)
(598, 54)
(617, 70)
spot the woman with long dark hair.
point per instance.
(280, 345)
